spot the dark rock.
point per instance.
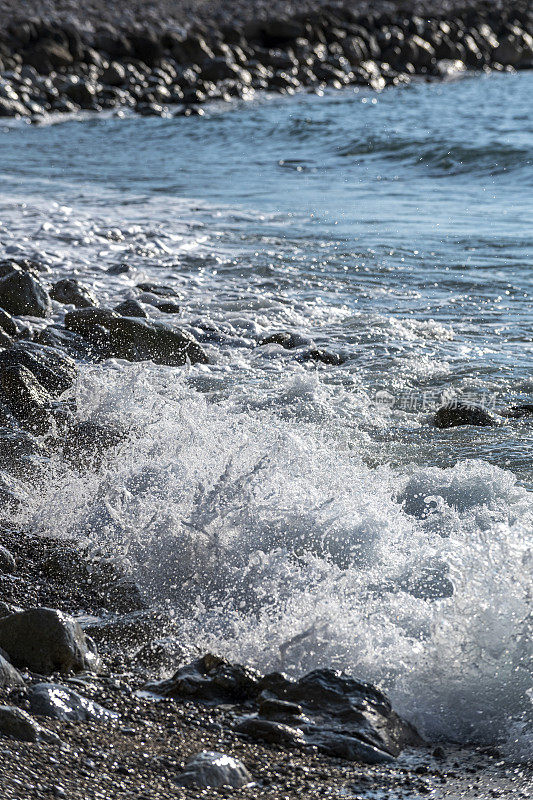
(278, 709)
(158, 289)
(276, 32)
(323, 356)
(19, 452)
(45, 641)
(9, 676)
(82, 92)
(25, 397)
(114, 74)
(272, 732)
(456, 413)
(287, 340)
(353, 719)
(17, 724)
(7, 562)
(131, 308)
(72, 343)
(147, 47)
(168, 307)
(7, 323)
(47, 55)
(72, 292)
(210, 770)
(86, 442)
(21, 293)
(136, 339)
(54, 370)
(59, 702)
(519, 412)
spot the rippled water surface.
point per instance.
(296, 514)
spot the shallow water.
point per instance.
(296, 515)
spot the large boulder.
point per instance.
(135, 339)
(47, 55)
(71, 291)
(45, 640)
(343, 717)
(22, 293)
(456, 414)
(210, 770)
(54, 370)
(60, 702)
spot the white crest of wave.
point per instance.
(279, 546)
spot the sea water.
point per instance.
(294, 514)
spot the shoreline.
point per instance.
(154, 70)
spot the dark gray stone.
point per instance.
(21, 293)
(210, 770)
(60, 702)
(272, 732)
(45, 640)
(7, 562)
(71, 291)
(131, 308)
(54, 370)
(456, 414)
(9, 676)
(135, 339)
(25, 397)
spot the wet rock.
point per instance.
(17, 724)
(20, 452)
(335, 706)
(7, 323)
(317, 354)
(54, 370)
(351, 748)
(9, 676)
(211, 679)
(47, 55)
(71, 291)
(272, 732)
(114, 74)
(60, 702)
(45, 641)
(25, 397)
(211, 770)
(21, 293)
(7, 562)
(131, 308)
(135, 339)
(72, 343)
(287, 340)
(85, 443)
(278, 709)
(519, 412)
(456, 414)
(82, 92)
(159, 289)
(168, 307)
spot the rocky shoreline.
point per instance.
(48, 66)
(83, 710)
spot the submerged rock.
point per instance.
(71, 291)
(44, 640)
(60, 702)
(343, 716)
(519, 412)
(135, 339)
(456, 414)
(21, 293)
(210, 770)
